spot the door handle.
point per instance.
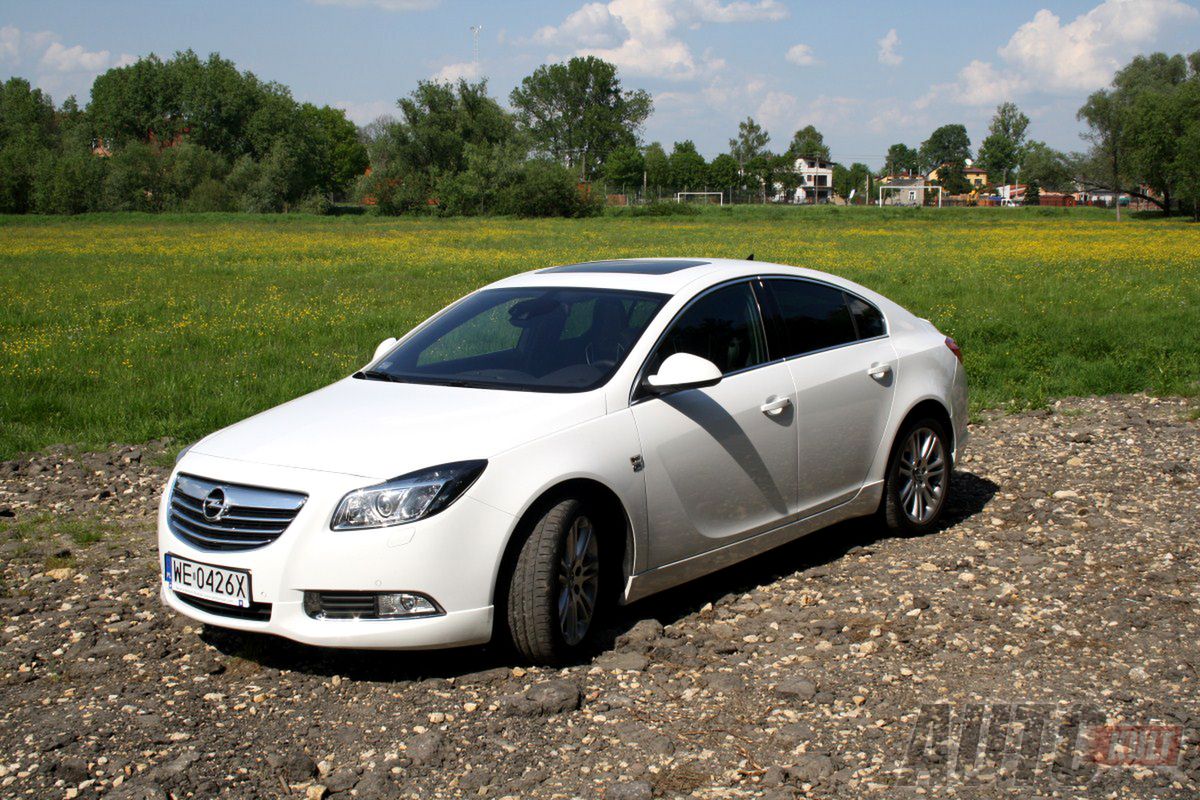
(775, 406)
(879, 371)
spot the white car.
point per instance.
(561, 441)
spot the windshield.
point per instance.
(549, 339)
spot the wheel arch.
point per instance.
(580, 487)
(926, 407)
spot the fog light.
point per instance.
(403, 604)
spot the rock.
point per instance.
(293, 766)
(812, 768)
(628, 662)
(138, 790)
(799, 688)
(315, 792)
(641, 636)
(341, 780)
(544, 699)
(71, 769)
(629, 790)
(176, 767)
(427, 749)
(724, 682)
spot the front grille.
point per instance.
(256, 611)
(342, 605)
(228, 516)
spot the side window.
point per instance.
(867, 318)
(722, 326)
(814, 316)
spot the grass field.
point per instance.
(127, 327)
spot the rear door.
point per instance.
(844, 369)
(720, 462)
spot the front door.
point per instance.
(720, 461)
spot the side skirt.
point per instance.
(658, 579)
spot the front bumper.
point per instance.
(452, 557)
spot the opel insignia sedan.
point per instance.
(560, 442)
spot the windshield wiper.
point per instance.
(376, 375)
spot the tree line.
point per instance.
(195, 134)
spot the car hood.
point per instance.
(381, 430)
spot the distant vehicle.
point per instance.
(561, 441)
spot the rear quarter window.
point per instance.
(868, 319)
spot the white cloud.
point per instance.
(784, 113)
(887, 49)
(801, 55)
(60, 58)
(1046, 55)
(361, 113)
(641, 36)
(466, 70)
(591, 26)
(386, 5)
(52, 66)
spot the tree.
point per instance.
(1187, 167)
(1003, 149)
(1046, 167)
(439, 121)
(340, 156)
(1136, 127)
(625, 168)
(689, 172)
(577, 112)
(808, 143)
(658, 167)
(902, 158)
(750, 143)
(27, 135)
(948, 144)
(761, 173)
(950, 176)
(853, 179)
(724, 173)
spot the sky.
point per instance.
(867, 74)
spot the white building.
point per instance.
(816, 180)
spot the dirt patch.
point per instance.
(1067, 576)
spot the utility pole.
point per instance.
(475, 29)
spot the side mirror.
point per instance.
(683, 371)
(384, 346)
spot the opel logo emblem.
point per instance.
(215, 505)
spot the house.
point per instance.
(903, 192)
(816, 180)
(975, 176)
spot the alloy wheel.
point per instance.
(923, 472)
(578, 581)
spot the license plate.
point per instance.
(218, 584)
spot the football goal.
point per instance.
(700, 197)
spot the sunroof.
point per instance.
(652, 267)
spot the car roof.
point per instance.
(669, 276)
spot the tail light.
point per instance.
(954, 348)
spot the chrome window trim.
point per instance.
(887, 326)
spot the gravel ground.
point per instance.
(1066, 577)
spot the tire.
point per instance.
(915, 507)
(550, 588)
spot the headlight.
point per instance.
(179, 456)
(407, 498)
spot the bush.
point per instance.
(315, 203)
(210, 195)
(546, 189)
(135, 180)
(69, 183)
